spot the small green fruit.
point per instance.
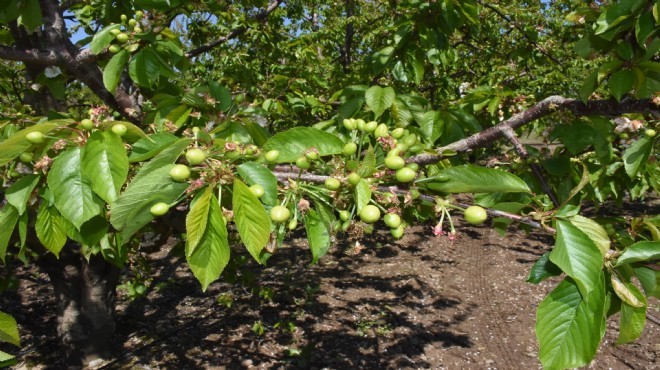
(410, 140)
(349, 124)
(257, 190)
(312, 155)
(120, 129)
(122, 38)
(381, 131)
(159, 209)
(303, 163)
(354, 178)
(35, 137)
(370, 126)
(360, 124)
(394, 162)
(370, 214)
(26, 157)
(123, 18)
(349, 149)
(279, 213)
(392, 220)
(650, 133)
(397, 232)
(87, 124)
(180, 172)
(475, 215)
(405, 175)
(292, 224)
(413, 166)
(139, 14)
(115, 31)
(344, 215)
(195, 156)
(332, 183)
(397, 133)
(132, 23)
(271, 156)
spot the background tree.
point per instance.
(389, 99)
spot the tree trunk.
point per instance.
(86, 296)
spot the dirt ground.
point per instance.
(423, 302)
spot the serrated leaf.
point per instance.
(650, 280)
(150, 146)
(294, 142)
(254, 173)
(568, 326)
(624, 292)
(636, 156)
(252, 221)
(474, 179)
(379, 99)
(621, 82)
(633, 318)
(114, 69)
(197, 219)
(577, 255)
(318, 235)
(7, 360)
(9, 330)
(103, 38)
(212, 252)
(431, 126)
(640, 251)
(72, 190)
(17, 143)
(134, 203)
(105, 163)
(543, 268)
(133, 132)
(367, 165)
(362, 194)
(594, 231)
(8, 219)
(167, 155)
(50, 229)
(19, 193)
(144, 67)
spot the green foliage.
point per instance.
(309, 83)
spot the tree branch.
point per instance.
(235, 32)
(544, 108)
(34, 56)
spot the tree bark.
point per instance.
(86, 296)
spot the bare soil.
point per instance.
(423, 302)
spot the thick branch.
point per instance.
(235, 32)
(33, 56)
(544, 108)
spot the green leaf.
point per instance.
(474, 179)
(167, 155)
(650, 280)
(103, 38)
(367, 166)
(197, 219)
(150, 146)
(17, 143)
(294, 142)
(31, 16)
(252, 221)
(624, 293)
(133, 132)
(318, 235)
(221, 94)
(132, 206)
(144, 68)
(636, 156)
(594, 231)
(8, 219)
(589, 85)
(113, 70)
(362, 194)
(633, 318)
(254, 173)
(577, 255)
(9, 330)
(72, 190)
(543, 268)
(379, 99)
(92, 231)
(568, 326)
(19, 193)
(7, 359)
(212, 252)
(621, 82)
(105, 163)
(50, 229)
(431, 127)
(640, 251)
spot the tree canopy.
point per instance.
(247, 117)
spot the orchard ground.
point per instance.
(421, 302)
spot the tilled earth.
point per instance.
(422, 302)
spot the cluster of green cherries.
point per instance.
(122, 37)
